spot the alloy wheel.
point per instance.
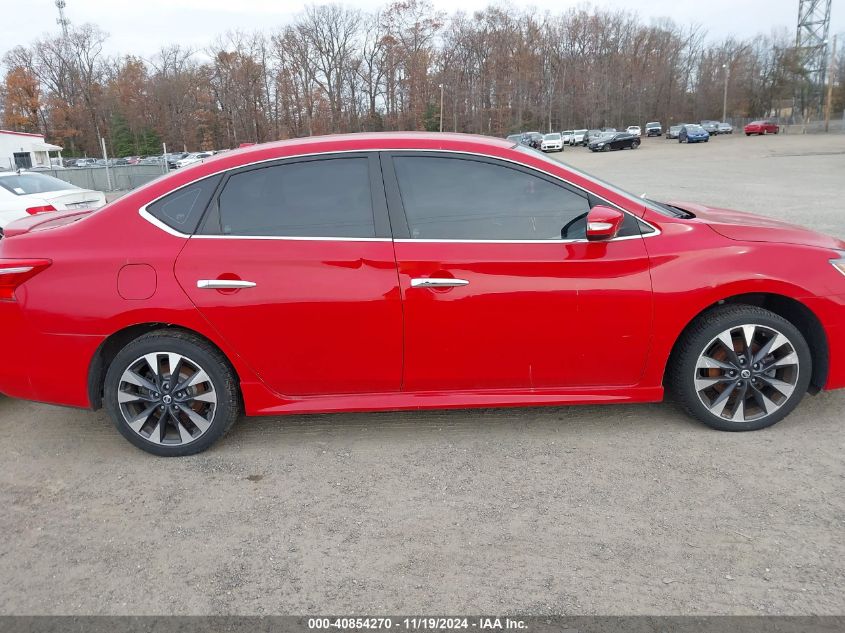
(747, 373)
(167, 398)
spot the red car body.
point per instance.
(336, 324)
(761, 127)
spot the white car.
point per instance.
(634, 129)
(27, 193)
(578, 137)
(190, 159)
(567, 137)
(552, 142)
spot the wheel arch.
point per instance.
(110, 347)
(790, 309)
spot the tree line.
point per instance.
(338, 69)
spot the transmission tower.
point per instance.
(64, 22)
(811, 46)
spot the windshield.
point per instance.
(26, 183)
(651, 125)
(694, 128)
(552, 137)
(607, 135)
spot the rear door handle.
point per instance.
(224, 284)
(438, 282)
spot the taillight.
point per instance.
(13, 272)
(42, 209)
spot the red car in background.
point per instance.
(761, 127)
(409, 271)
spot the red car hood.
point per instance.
(748, 227)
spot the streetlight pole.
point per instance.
(441, 107)
(828, 105)
(727, 68)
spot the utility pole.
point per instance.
(441, 107)
(830, 78)
(727, 68)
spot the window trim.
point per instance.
(377, 153)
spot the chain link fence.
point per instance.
(118, 178)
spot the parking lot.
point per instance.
(627, 509)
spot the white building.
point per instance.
(20, 150)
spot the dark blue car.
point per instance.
(693, 133)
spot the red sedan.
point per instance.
(761, 127)
(409, 271)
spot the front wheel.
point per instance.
(635, 145)
(171, 394)
(740, 368)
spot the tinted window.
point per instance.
(182, 209)
(452, 198)
(320, 198)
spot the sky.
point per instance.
(140, 27)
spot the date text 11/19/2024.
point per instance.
(417, 623)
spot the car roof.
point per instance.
(374, 140)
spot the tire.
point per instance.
(754, 398)
(206, 407)
(748, 133)
(635, 145)
(606, 148)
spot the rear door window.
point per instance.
(329, 197)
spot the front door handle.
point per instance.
(437, 282)
(224, 284)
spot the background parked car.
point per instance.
(614, 140)
(674, 131)
(552, 142)
(173, 158)
(711, 127)
(28, 193)
(566, 137)
(533, 139)
(693, 133)
(653, 128)
(578, 137)
(190, 159)
(635, 130)
(761, 127)
(591, 136)
(726, 128)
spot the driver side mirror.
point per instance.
(603, 223)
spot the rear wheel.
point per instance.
(171, 393)
(740, 368)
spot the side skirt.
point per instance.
(257, 402)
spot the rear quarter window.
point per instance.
(182, 209)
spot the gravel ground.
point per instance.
(629, 509)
